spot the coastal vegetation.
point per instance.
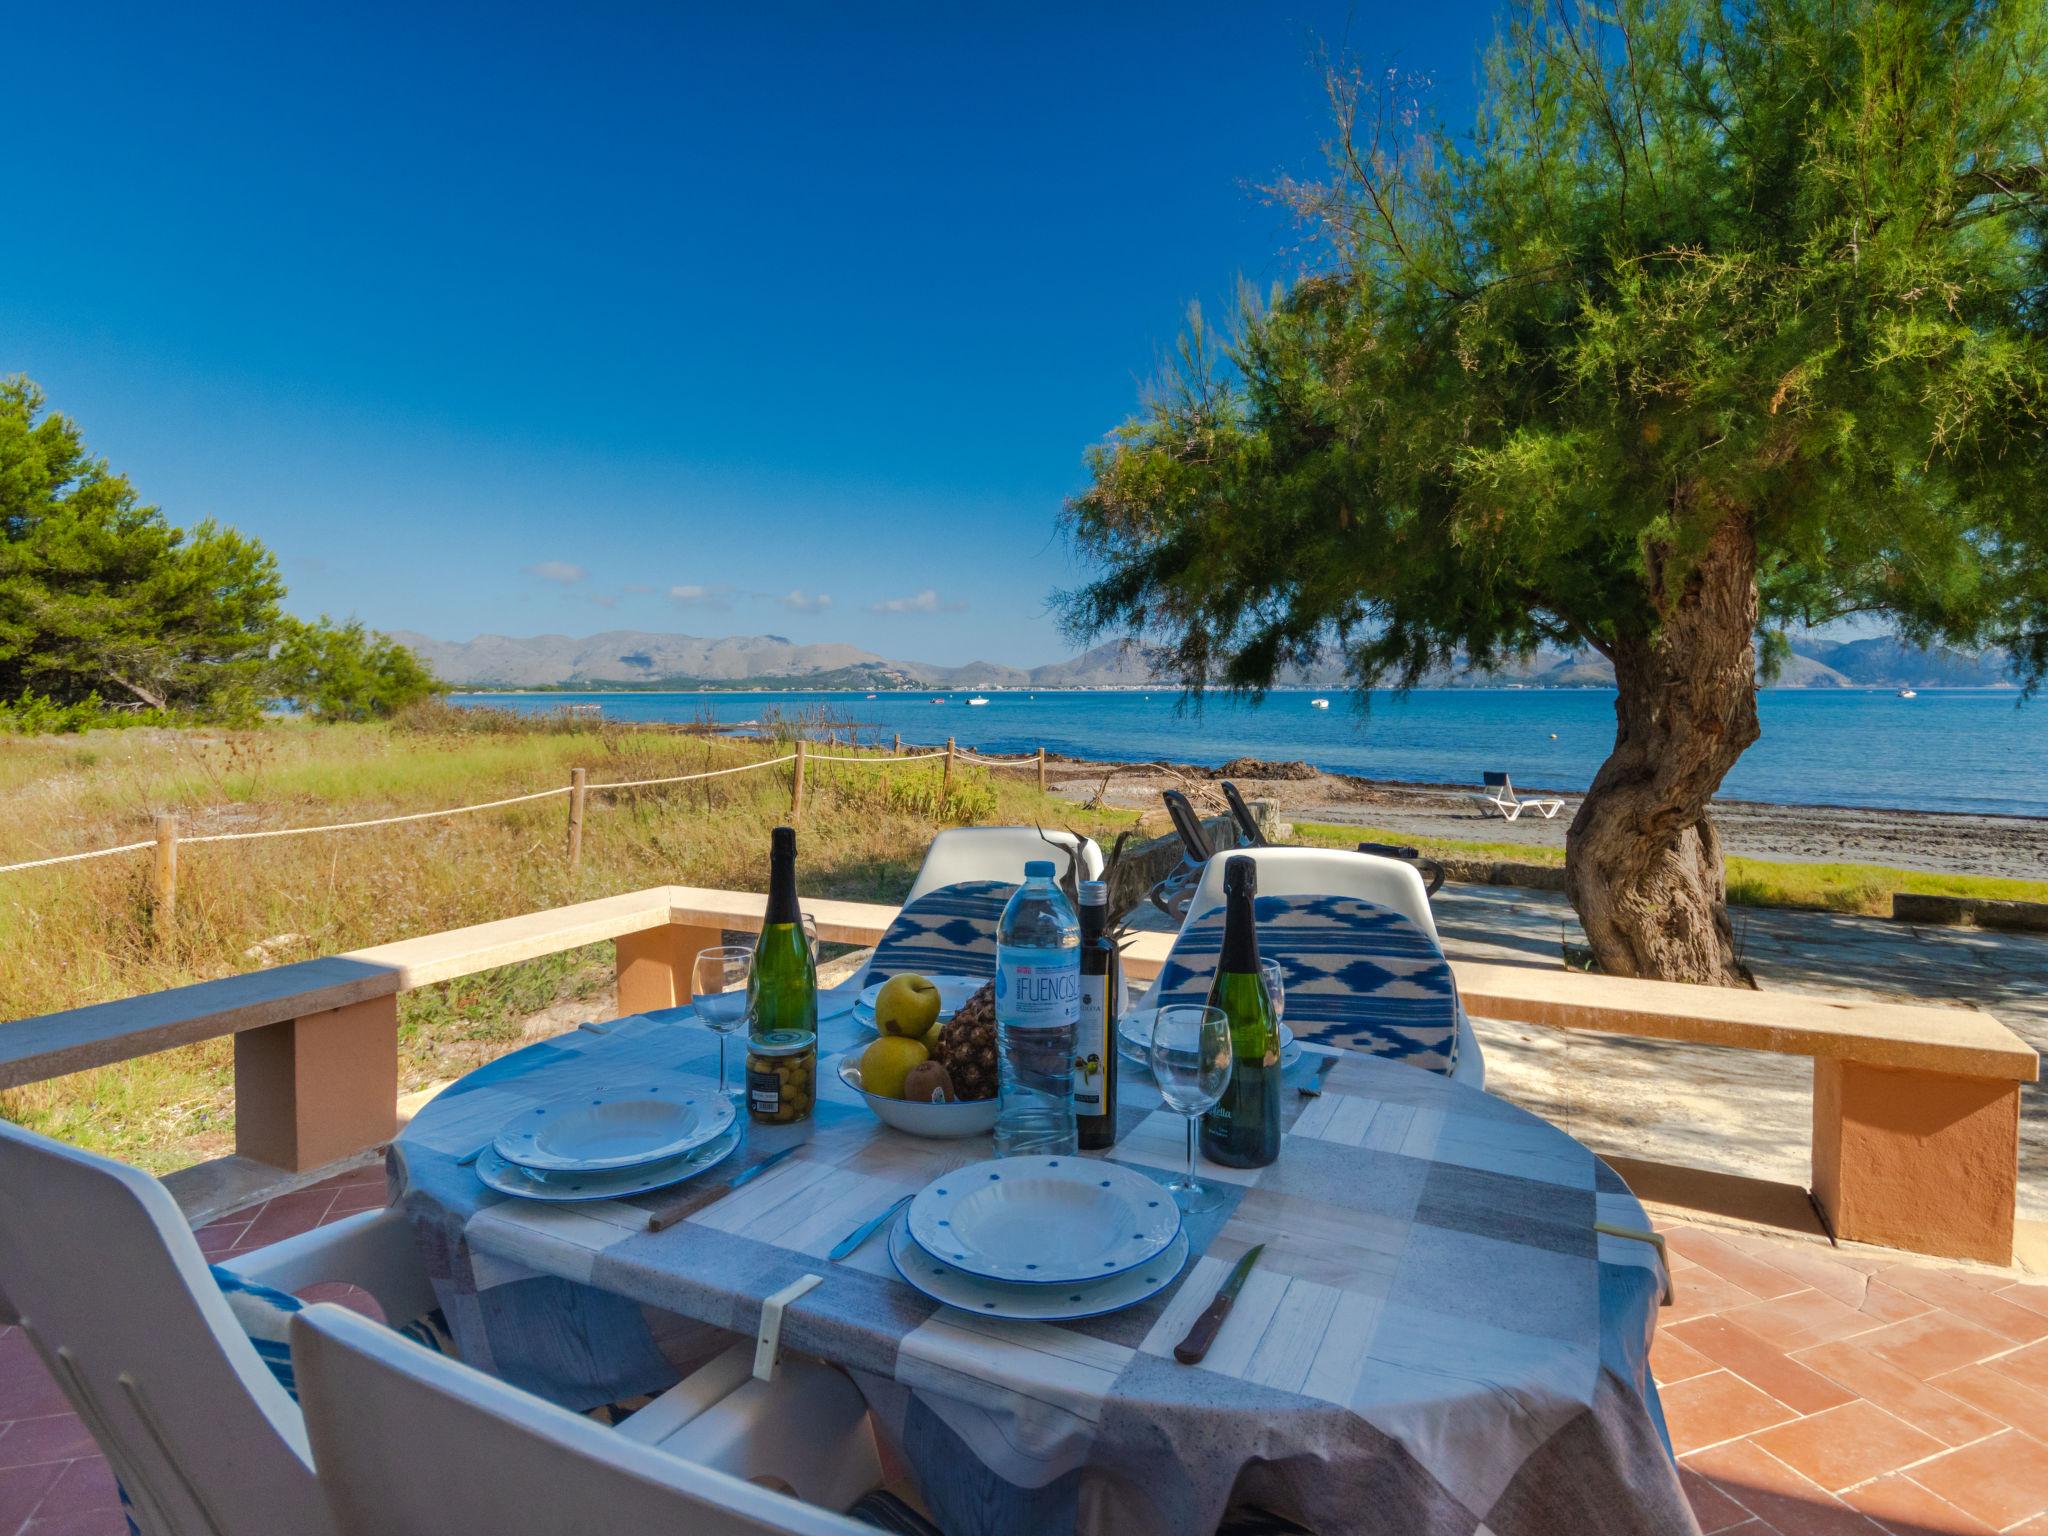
(110, 615)
(1728, 318)
(82, 933)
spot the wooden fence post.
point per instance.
(577, 786)
(1041, 770)
(166, 914)
(796, 783)
(946, 778)
(896, 748)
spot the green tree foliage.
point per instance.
(99, 594)
(346, 672)
(1728, 315)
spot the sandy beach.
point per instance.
(2013, 846)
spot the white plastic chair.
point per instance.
(998, 853)
(1499, 796)
(410, 1443)
(1335, 872)
(103, 1275)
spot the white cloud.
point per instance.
(926, 601)
(696, 595)
(805, 602)
(560, 572)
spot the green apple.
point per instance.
(907, 1005)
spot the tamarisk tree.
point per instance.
(1728, 316)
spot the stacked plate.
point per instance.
(609, 1144)
(1040, 1238)
(1136, 1047)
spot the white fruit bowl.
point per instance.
(941, 1122)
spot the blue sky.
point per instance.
(561, 319)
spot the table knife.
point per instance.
(1190, 1350)
(663, 1217)
(866, 1230)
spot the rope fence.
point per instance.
(167, 840)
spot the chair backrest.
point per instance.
(1322, 872)
(963, 854)
(109, 1285)
(1495, 780)
(1247, 824)
(411, 1443)
(947, 932)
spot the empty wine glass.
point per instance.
(1191, 1061)
(719, 984)
(1276, 987)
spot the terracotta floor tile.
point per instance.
(2038, 1526)
(1882, 1304)
(1973, 1303)
(1928, 1346)
(219, 1238)
(1701, 1292)
(1803, 1318)
(84, 1485)
(102, 1522)
(1798, 1386)
(1786, 1501)
(1672, 1361)
(1984, 1386)
(288, 1216)
(2001, 1481)
(350, 1201)
(1729, 1262)
(1927, 1408)
(2033, 1297)
(55, 1437)
(1711, 1507)
(26, 1390)
(1709, 1409)
(1904, 1508)
(1819, 1266)
(2028, 1366)
(1848, 1445)
(22, 1489)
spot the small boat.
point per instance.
(938, 701)
(871, 695)
(1318, 703)
(1909, 693)
(977, 700)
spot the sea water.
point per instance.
(1038, 1005)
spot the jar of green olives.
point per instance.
(782, 1076)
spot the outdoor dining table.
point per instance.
(1436, 1339)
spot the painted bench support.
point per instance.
(317, 1089)
(1917, 1160)
(654, 965)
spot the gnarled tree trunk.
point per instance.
(1642, 859)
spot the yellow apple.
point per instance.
(906, 1005)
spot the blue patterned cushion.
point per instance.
(947, 932)
(1356, 975)
(266, 1317)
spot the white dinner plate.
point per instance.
(953, 993)
(608, 1129)
(1043, 1220)
(1033, 1303)
(619, 1184)
(1138, 1049)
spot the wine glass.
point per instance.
(1191, 1061)
(1276, 987)
(719, 984)
(811, 938)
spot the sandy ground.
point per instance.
(2015, 846)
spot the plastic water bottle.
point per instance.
(1038, 1003)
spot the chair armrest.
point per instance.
(374, 1250)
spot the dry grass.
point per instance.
(81, 933)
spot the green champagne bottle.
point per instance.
(783, 991)
(1243, 1130)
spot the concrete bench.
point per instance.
(1915, 1115)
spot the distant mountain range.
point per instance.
(641, 659)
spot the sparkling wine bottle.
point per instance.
(1243, 1130)
(783, 991)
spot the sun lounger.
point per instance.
(1499, 796)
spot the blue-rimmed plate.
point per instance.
(1034, 1303)
(1043, 1220)
(618, 1184)
(609, 1129)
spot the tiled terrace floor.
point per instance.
(1810, 1391)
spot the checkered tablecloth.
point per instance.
(1436, 1340)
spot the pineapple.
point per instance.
(967, 1047)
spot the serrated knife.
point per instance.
(1190, 1350)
